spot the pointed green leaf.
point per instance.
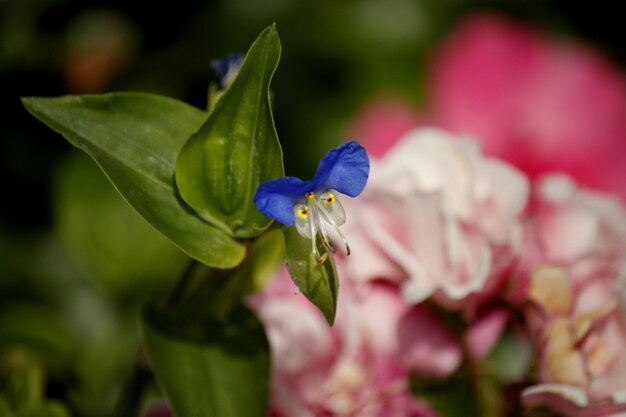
(236, 149)
(209, 367)
(317, 280)
(135, 138)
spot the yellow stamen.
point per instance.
(330, 199)
(303, 212)
(310, 195)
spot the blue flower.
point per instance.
(313, 206)
(226, 69)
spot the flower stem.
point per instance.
(182, 286)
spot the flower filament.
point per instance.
(320, 213)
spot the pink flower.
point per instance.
(484, 332)
(576, 257)
(354, 368)
(381, 123)
(542, 104)
(438, 218)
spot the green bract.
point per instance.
(236, 149)
(317, 280)
(135, 138)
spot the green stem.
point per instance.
(129, 400)
(484, 401)
(182, 285)
(220, 291)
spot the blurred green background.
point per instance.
(75, 261)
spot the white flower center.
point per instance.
(320, 213)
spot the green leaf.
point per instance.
(317, 280)
(210, 368)
(454, 396)
(236, 149)
(52, 409)
(135, 138)
(511, 358)
(266, 258)
(38, 328)
(5, 408)
(104, 246)
(25, 380)
(24, 374)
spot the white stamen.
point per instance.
(317, 214)
(313, 228)
(320, 213)
(328, 219)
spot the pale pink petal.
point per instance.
(574, 395)
(575, 266)
(369, 259)
(377, 315)
(570, 401)
(427, 345)
(438, 211)
(299, 337)
(485, 332)
(508, 196)
(607, 361)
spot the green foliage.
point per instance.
(317, 280)
(111, 245)
(210, 367)
(236, 149)
(259, 267)
(23, 377)
(455, 396)
(223, 290)
(499, 364)
(84, 339)
(135, 139)
(208, 352)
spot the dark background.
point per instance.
(336, 54)
(75, 261)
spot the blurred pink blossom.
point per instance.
(381, 123)
(484, 332)
(438, 218)
(543, 104)
(576, 257)
(360, 366)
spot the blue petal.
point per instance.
(225, 69)
(344, 169)
(276, 198)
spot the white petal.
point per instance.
(571, 393)
(302, 224)
(330, 205)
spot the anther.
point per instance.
(323, 258)
(303, 212)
